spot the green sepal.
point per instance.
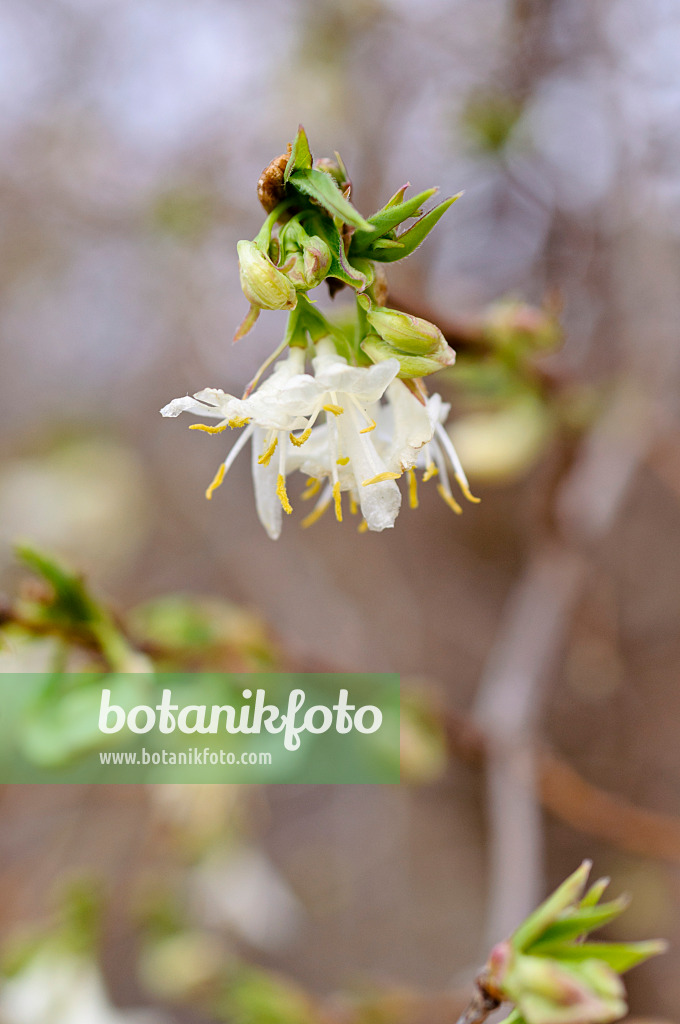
(620, 956)
(412, 238)
(322, 189)
(390, 217)
(580, 922)
(300, 158)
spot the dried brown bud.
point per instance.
(271, 188)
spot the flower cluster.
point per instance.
(363, 418)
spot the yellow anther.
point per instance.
(313, 487)
(343, 462)
(353, 507)
(337, 500)
(265, 458)
(362, 527)
(305, 436)
(449, 499)
(207, 429)
(281, 494)
(380, 477)
(238, 421)
(217, 480)
(412, 489)
(430, 471)
(466, 490)
(337, 410)
(315, 514)
(368, 429)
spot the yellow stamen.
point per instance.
(337, 410)
(238, 421)
(315, 515)
(412, 489)
(265, 458)
(343, 462)
(449, 499)
(281, 494)
(353, 507)
(337, 500)
(430, 471)
(313, 487)
(305, 436)
(207, 429)
(368, 429)
(217, 480)
(362, 527)
(466, 491)
(380, 477)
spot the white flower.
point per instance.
(291, 400)
(363, 447)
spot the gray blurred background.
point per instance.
(132, 135)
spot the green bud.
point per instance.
(405, 332)
(263, 284)
(410, 366)
(549, 992)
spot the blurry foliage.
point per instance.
(489, 119)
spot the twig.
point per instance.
(563, 792)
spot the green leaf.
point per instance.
(389, 217)
(340, 265)
(411, 239)
(384, 243)
(581, 922)
(514, 1018)
(620, 956)
(300, 158)
(398, 197)
(71, 598)
(532, 929)
(322, 189)
(595, 893)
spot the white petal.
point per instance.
(179, 405)
(379, 502)
(411, 427)
(264, 484)
(367, 383)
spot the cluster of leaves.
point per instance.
(552, 972)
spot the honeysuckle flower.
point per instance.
(291, 400)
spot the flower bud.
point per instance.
(263, 284)
(408, 333)
(550, 992)
(410, 366)
(317, 260)
(307, 266)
